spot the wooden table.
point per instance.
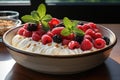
(109, 70)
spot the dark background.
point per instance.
(99, 13)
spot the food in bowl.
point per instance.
(5, 25)
(47, 33)
(8, 20)
(43, 34)
(33, 38)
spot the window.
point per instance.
(81, 2)
(14, 2)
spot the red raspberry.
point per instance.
(25, 25)
(92, 25)
(36, 37)
(96, 30)
(99, 43)
(69, 37)
(80, 27)
(88, 37)
(20, 31)
(65, 41)
(90, 32)
(27, 33)
(39, 26)
(40, 32)
(98, 35)
(50, 33)
(46, 39)
(86, 27)
(57, 30)
(73, 45)
(86, 44)
(53, 22)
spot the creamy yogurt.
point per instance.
(29, 45)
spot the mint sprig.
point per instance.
(38, 16)
(70, 27)
(41, 10)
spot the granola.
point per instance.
(5, 25)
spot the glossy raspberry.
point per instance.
(73, 45)
(25, 25)
(57, 30)
(80, 27)
(46, 39)
(86, 27)
(96, 30)
(27, 33)
(92, 25)
(39, 26)
(53, 22)
(36, 37)
(99, 43)
(50, 33)
(20, 31)
(86, 44)
(40, 32)
(65, 42)
(90, 32)
(69, 37)
(98, 35)
(88, 37)
(57, 38)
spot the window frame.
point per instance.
(15, 3)
(81, 3)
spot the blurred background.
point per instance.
(99, 11)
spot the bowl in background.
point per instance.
(9, 15)
(8, 19)
(60, 64)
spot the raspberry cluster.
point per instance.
(92, 37)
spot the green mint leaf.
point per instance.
(45, 25)
(35, 15)
(41, 10)
(78, 31)
(65, 32)
(28, 18)
(75, 23)
(67, 22)
(47, 17)
(70, 27)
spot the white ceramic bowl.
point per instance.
(64, 64)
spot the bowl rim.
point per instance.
(59, 56)
(16, 14)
